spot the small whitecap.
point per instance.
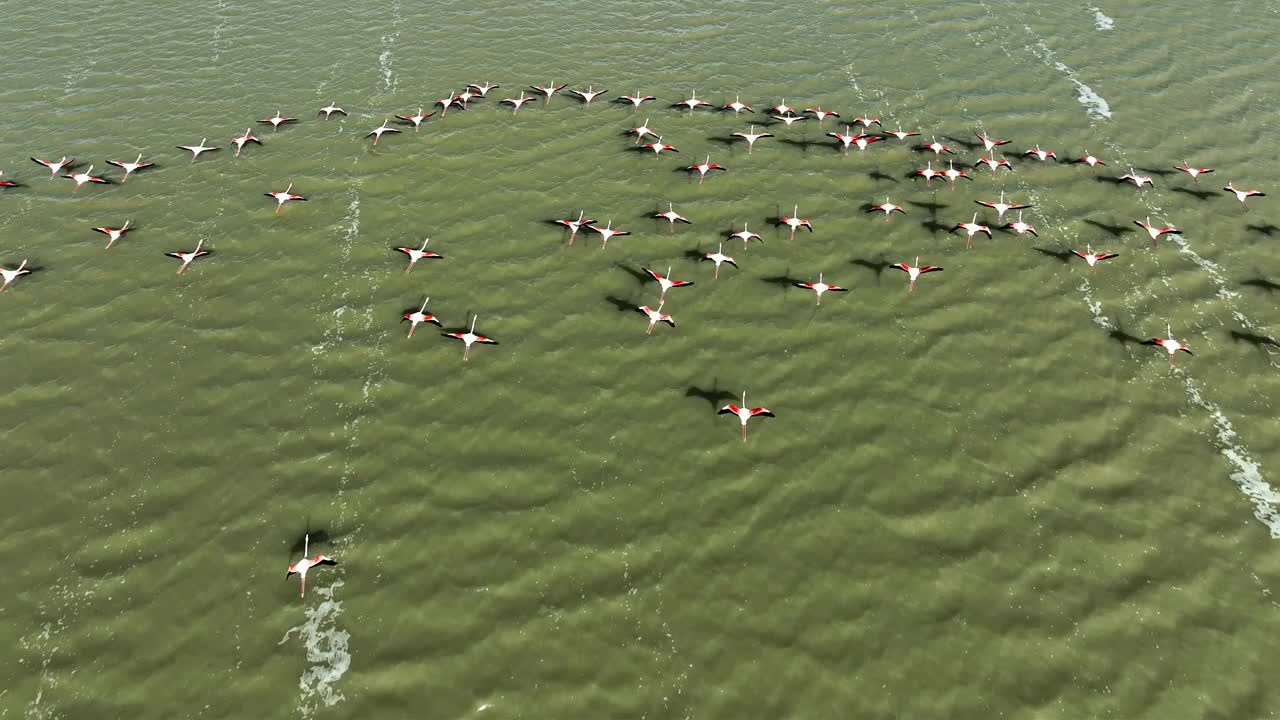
(1102, 21)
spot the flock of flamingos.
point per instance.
(858, 133)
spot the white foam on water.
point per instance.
(1246, 473)
(1101, 21)
(217, 30)
(328, 652)
(388, 47)
(1096, 105)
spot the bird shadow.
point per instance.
(1267, 229)
(713, 395)
(1060, 255)
(695, 254)
(1113, 230)
(933, 226)
(966, 144)
(877, 266)
(783, 281)
(878, 175)
(726, 141)
(318, 536)
(932, 207)
(1119, 335)
(640, 276)
(1200, 195)
(1158, 172)
(619, 304)
(1112, 179)
(1259, 341)
(804, 145)
(868, 207)
(1262, 284)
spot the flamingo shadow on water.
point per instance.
(318, 536)
(621, 305)
(966, 144)
(640, 276)
(877, 266)
(878, 175)
(933, 226)
(804, 144)
(1113, 230)
(1262, 284)
(695, 254)
(714, 395)
(1201, 195)
(1262, 342)
(1265, 229)
(1158, 172)
(1124, 338)
(783, 281)
(932, 207)
(459, 328)
(1063, 256)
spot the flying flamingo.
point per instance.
(301, 567)
(84, 177)
(751, 137)
(377, 132)
(1092, 257)
(283, 197)
(666, 283)
(783, 108)
(1156, 232)
(607, 232)
(821, 287)
(744, 413)
(887, 208)
(330, 109)
(416, 254)
(1194, 172)
(1170, 345)
(928, 173)
(636, 99)
(195, 150)
(1243, 195)
(821, 114)
(276, 121)
(1002, 206)
(746, 236)
(692, 102)
(846, 139)
(416, 120)
(54, 167)
(574, 225)
(11, 275)
(655, 317)
(1041, 155)
(548, 90)
(113, 233)
(789, 119)
(937, 148)
(659, 146)
(672, 217)
(470, 337)
(902, 135)
(704, 167)
(642, 131)
(187, 257)
(447, 102)
(794, 222)
(867, 122)
(971, 228)
(988, 143)
(10, 183)
(915, 271)
(737, 106)
(1020, 227)
(130, 167)
(952, 174)
(482, 90)
(1136, 179)
(1089, 160)
(239, 142)
(516, 102)
(588, 95)
(994, 164)
(718, 257)
(419, 316)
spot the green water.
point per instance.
(978, 500)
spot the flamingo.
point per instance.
(548, 90)
(971, 228)
(1170, 345)
(516, 102)
(54, 167)
(588, 95)
(416, 120)
(1194, 172)
(283, 197)
(1136, 179)
(1020, 227)
(84, 177)
(416, 254)
(988, 143)
(655, 317)
(1002, 206)
(672, 217)
(718, 257)
(187, 257)
(1092, 257)
(377, 132)
(666, 283)
(113, 233)
(952, 174)
(130, 167)
(737, 106)
(195, 150)
(239, 142)
(745, 413)
(704, 167)
(607, 232)
(746, 236)
(482, 90)
(1243, 195)
(846, 139)
(994, 164)
(937, 148)
(887, 208)
(821, 287)
(928, 173)
(330, 109)
(1041, 155)
(795, 222)
(276, 121)
(301, 567)
(821, 114)
(902, 135)
(914, 271)
(642, 131)
(1089, 160)
(1156, 232)
(659, 146)
(867, 122)
(636, 99)
(469, 338)
(11, 275)
(420, 316)
(751, 137)
(574, 225)
(692, 102)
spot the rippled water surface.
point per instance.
(982, 499)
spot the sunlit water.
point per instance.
(982, 499)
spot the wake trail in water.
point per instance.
(1245, 472)
(385, 70)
